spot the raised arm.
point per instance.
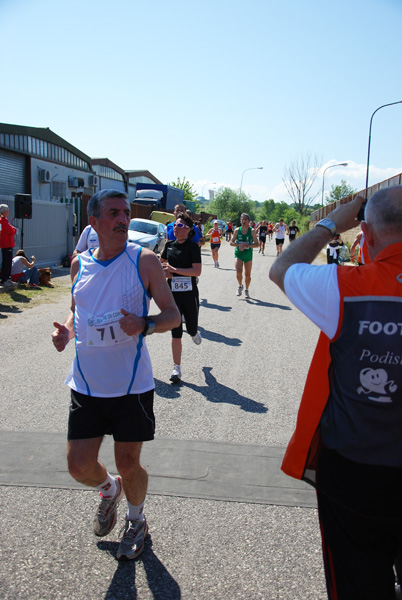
(306, 248)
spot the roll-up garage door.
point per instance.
(12, 173)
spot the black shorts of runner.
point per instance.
(279, 241)
(128, 418)
(188, 305)
(215, 246)
(262, 238)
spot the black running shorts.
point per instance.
(128, 418)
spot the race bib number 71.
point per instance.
(105, 330)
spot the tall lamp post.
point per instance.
(345, 164)
(369, 140)
(241, 182)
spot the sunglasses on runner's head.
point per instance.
(181, 225)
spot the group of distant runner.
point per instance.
(244, 239)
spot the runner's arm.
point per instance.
(255, 243)
(306, 248)
(64, 333)
(233, 241)
(154, 281)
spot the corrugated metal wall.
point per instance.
(48, 235)
(12, 173)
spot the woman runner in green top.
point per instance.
(244, 239)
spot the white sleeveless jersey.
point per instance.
(109, 363)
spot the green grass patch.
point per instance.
(24, 297)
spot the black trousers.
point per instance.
(360, 512)
(7, 260)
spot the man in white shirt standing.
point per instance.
(347, 440)
(111, 377)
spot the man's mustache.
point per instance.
(120, 226)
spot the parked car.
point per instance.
(147, 233)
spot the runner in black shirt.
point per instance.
(293, 231)
(181, 261)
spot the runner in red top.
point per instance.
(215, 240)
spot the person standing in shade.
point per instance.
(7, 243)
(244, 240)
(111, 379)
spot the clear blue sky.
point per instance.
(208, 89)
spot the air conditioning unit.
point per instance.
(72, 181)
(93, 180)
(44, 176)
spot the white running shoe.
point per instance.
(239, 290)
(197, 339)
(176, 374)
(246, 293)
(132, 542)
(106, 515)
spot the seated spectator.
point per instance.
(23, 271)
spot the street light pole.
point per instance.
(369, 140)
(241, 182)
(345, 164)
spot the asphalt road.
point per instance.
(224, 522)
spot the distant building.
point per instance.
(59, 179)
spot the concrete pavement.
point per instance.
(225, 522)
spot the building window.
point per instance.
(59, 189)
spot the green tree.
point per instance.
(188, 188)
(228, 205)
(338, 192)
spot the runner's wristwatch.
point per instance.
(328, 224)
(149, 326)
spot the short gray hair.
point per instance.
(95, 204)
(384, 209)
(4, 208)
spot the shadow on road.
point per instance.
(205, 304)
(213, 391)
(213, 336)
(257, 302)
(122, 586)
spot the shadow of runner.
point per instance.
(257, 302)
(214, 336)
(122, 587)
(205, 304)
(213, 391)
